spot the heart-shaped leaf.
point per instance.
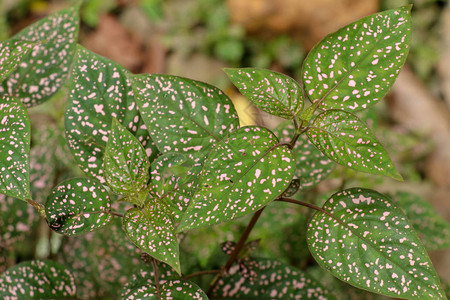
(275, 93)
(37, 279)
(152, 230)
(274, 280)
(14, 149)
(362, 238)
(183, 115)
(126, 165)
(41, 74)
(344, 138)
(243, 173)
(312, 165)
(355, 67)
(99, 92)
(433, 230)
(77, 206)
(12, 52)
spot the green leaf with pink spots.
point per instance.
(274, 280)
(14, 149)
(42, 73)
(354, 67)
(78, 206)
(243, 173)
(273, 92)
(183, 115)
(152, 230)
(312, 165)
(100, 92)
(169, 289)
(362, 238)
(344, 138)
(126, 165)
(37, 279)
(12, 52)
(174, 180)
(432, 228)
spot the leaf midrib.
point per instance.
(342, 223)
(346, 75)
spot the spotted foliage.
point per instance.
(12, 52)
(17, 218)
(243, 173)
(275, 93)
(146, 277)
(247, 264)
(355, 67)
(433, 230)
(172, 289)
(78, 206)
(37, 279)
(183, 115)
(126, 165)
(99, 92)
(362, 238)
(173, 180)
(152, 230)
(14, 149)
(17, 221)
(101, 261)
(275, 280)
(312, 165)
(42, 73)
(347, 140)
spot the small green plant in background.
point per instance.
(164, 156)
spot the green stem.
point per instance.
(38, 206)
(233, 256)
(298, 132)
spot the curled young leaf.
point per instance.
(174, 179)
(126, 165)
(344, 138)
(78, 206)
(354, 67)
(362, 238)
(40, 75)
(243, 173)
(37, 279)
(274, 93)
(14, 149)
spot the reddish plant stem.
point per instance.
(115, 213)
(298, 202)
(233, 256)
(200, 273)
(156, 276)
